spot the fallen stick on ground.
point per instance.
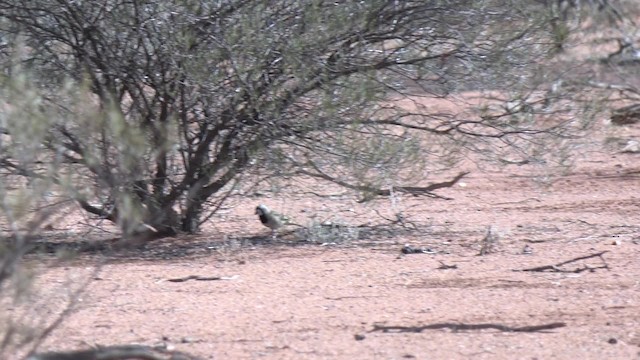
(463, 327)
(201, 278)
(117, 352)
(556, 267)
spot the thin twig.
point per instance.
(464, 327)
(556, 267)
(117, 352)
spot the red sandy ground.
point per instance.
(298, 300)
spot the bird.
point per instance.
(271, 219)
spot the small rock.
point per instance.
(633, 147)
(408, 249)
(612, 341)
(626, 115)
(359, 337)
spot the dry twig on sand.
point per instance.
(117, 352)
(556, 267)
(464, 327)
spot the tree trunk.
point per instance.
(165, 221)
(157, 224)
(191, 218)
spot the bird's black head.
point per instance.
(262, 212)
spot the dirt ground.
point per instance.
(295, 299)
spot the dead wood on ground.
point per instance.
(556, 267)
(117, 352)
(466, 327)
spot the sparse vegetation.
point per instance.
(166, 110)
(151, 115)
(330, 233)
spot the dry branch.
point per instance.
(556, 267)
(373, 191)
(444, 266)
(464, 327)
(427, 190)
(117, 352)
(200, 278)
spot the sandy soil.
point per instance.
(294, 299)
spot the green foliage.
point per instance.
(164, 108)
(32, 188)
